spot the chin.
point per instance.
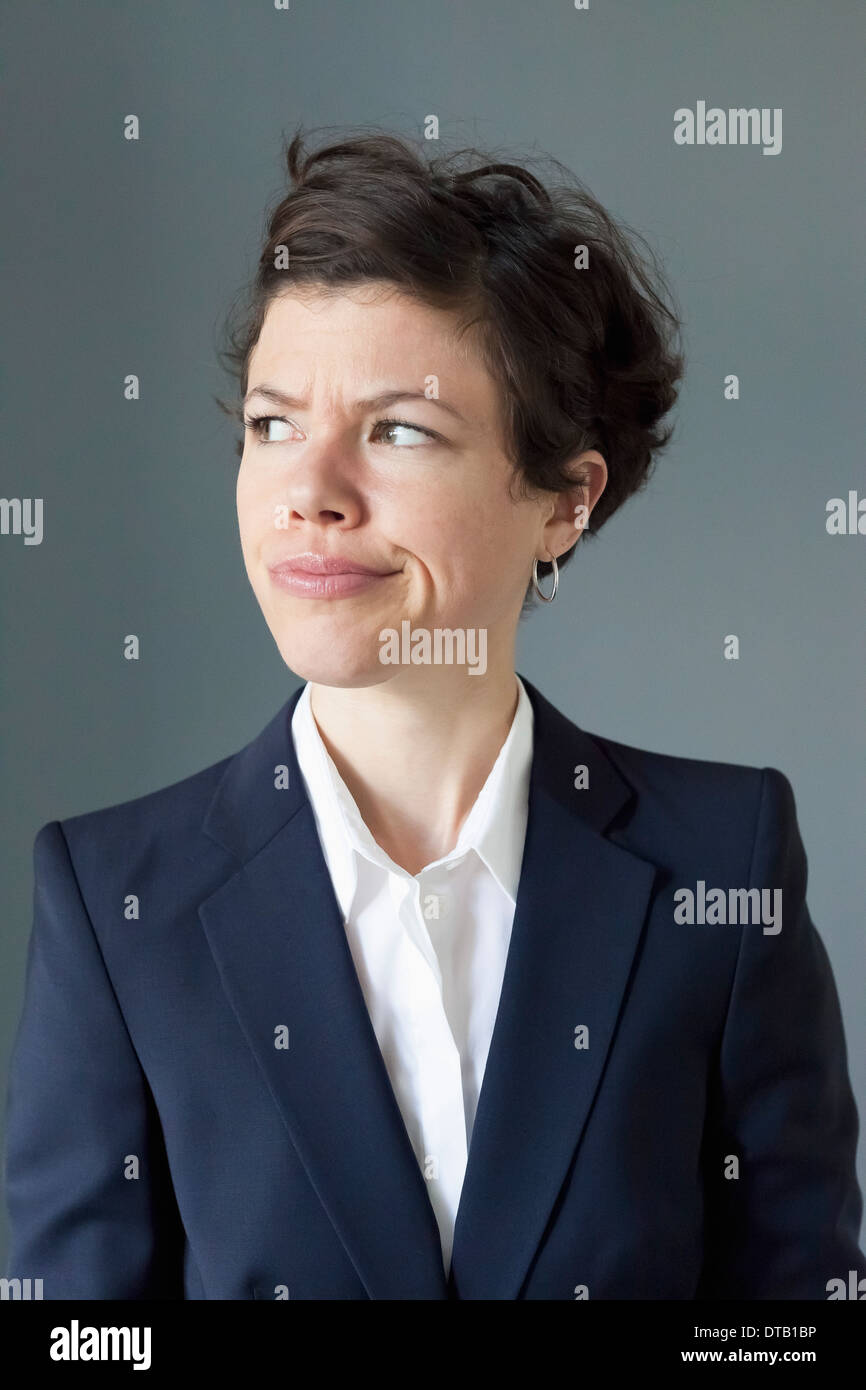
(332, 659)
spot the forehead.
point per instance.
(367, 335)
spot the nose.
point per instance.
(321, 487)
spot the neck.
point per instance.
(416, 750)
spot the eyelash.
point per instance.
(255, 422)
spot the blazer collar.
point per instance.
(277, 936)
(250, 805)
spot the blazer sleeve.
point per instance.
(782, 1101)
(78, 1111)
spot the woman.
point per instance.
(427, 992)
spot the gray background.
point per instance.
(122, 257)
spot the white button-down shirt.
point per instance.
(429, 949)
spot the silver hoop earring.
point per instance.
(547, 598)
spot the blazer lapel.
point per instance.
(580, 909)
(279, 943)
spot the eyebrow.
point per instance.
(380, 402)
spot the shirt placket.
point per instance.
(442, 1117)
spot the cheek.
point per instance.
(242, 490)
(253, 507)
(478, 550)
(490, 534)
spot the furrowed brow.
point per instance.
(378, 402)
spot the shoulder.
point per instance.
(150, 839)
(160, 836)
(669, 782)
(648, 770)
(145, 847)
(699, 801)
(685, 813)
(165, 811)
(711, 780)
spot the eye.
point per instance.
(389, 425)
(260, 426)
(258, 423)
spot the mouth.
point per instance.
(325, 576)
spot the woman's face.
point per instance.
(425, 504)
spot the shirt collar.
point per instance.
(495, 827)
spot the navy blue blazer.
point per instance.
(666, 1111)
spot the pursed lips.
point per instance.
(314, 575)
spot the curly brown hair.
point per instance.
(584, 358)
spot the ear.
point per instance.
(571, 509)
